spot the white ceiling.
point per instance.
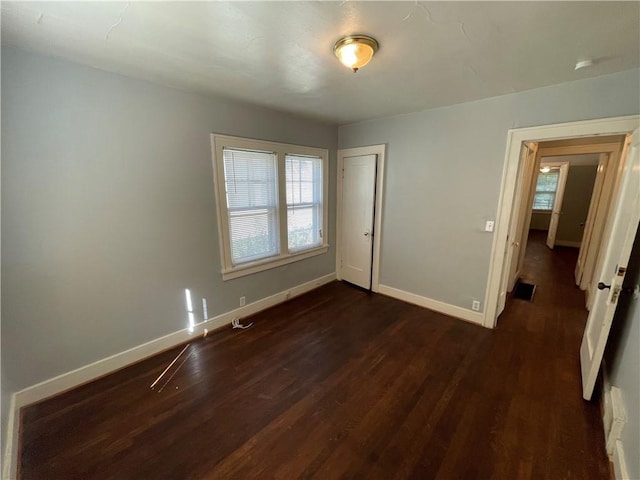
(279, 54)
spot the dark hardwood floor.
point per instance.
(340, 383)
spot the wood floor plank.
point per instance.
(342, 383)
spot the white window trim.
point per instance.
(229, 271)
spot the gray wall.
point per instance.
(540, 221)
(623, 358)
(108, 212)
(575, 203)
(443, 178)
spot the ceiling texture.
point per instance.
(279, 54)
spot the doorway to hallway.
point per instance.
(557, 298)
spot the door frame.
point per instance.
(379, 151)
(612, 150)
(620, 232)
(608, 194)
(601, 195)
(515, 138)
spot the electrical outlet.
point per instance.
(488, 226)
(242, 301)
(475, 305)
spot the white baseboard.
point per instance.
(87, 373)
(618, 419)
(620, 470)
(607, 408)
(9, 466)
(441, 307)
(567, 243)
(614, 419)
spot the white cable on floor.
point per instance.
(235, 323)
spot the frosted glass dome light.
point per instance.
(355, 51)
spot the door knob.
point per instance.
(634, 289)
(366, 234)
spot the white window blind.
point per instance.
(304, 201)
(546, 188)
(252, 204)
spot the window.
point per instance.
(253, 179)
(304, 201)
(546, 188)
(252, 204)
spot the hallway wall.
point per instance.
(540, 221)
(575, 205)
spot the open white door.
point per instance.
(557, 204)
(619, 235)
(508, 253)
(523, 221)
(357, 209)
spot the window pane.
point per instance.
(251, 188)
(302, 222)
(304, 201)
(548, 182)
(543, 201)
(253, 235)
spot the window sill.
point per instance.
(548, 212)
(268, 263)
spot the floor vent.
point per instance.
(524, 291)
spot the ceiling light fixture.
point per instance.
(545, 169)
(355, 51)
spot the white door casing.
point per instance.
(620, 232)
(611, 190)
(359, 215)
(557, 202)
(606, 180)
(600, 200)
(610, 180)
(515, 138)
